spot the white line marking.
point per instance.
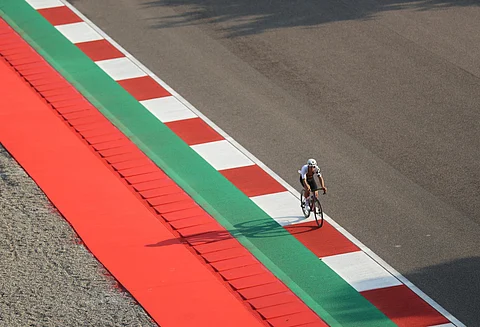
(284, 207)
(360, 271)
(168, 109)
(222, 155)
(120, 68)
(42, 4)
(78, 32)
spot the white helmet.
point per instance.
(312, 162)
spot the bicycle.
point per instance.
(314, 203)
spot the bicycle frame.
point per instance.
(314, 205)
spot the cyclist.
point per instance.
(307, 179)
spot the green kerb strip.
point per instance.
(315, 283)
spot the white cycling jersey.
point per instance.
(304, 170)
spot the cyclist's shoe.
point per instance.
(303, 204)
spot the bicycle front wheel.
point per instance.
(318, 212)
(305, 209)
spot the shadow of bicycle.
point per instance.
(251, 229)
(267, 228)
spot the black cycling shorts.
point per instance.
(310, 181)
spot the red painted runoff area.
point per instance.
(169, 281)
(154, 239)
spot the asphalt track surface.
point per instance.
(384, 94)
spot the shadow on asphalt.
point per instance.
(444, 281)
(248, 17)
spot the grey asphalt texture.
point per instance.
(47, 276)
(385, 94)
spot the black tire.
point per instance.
(318, 213)
(306, 211)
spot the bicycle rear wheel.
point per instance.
(318, 213)
(305, 209)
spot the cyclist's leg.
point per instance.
(313, 185)
(305, 189)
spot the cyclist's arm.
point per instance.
(322, 183)
(305, 183)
